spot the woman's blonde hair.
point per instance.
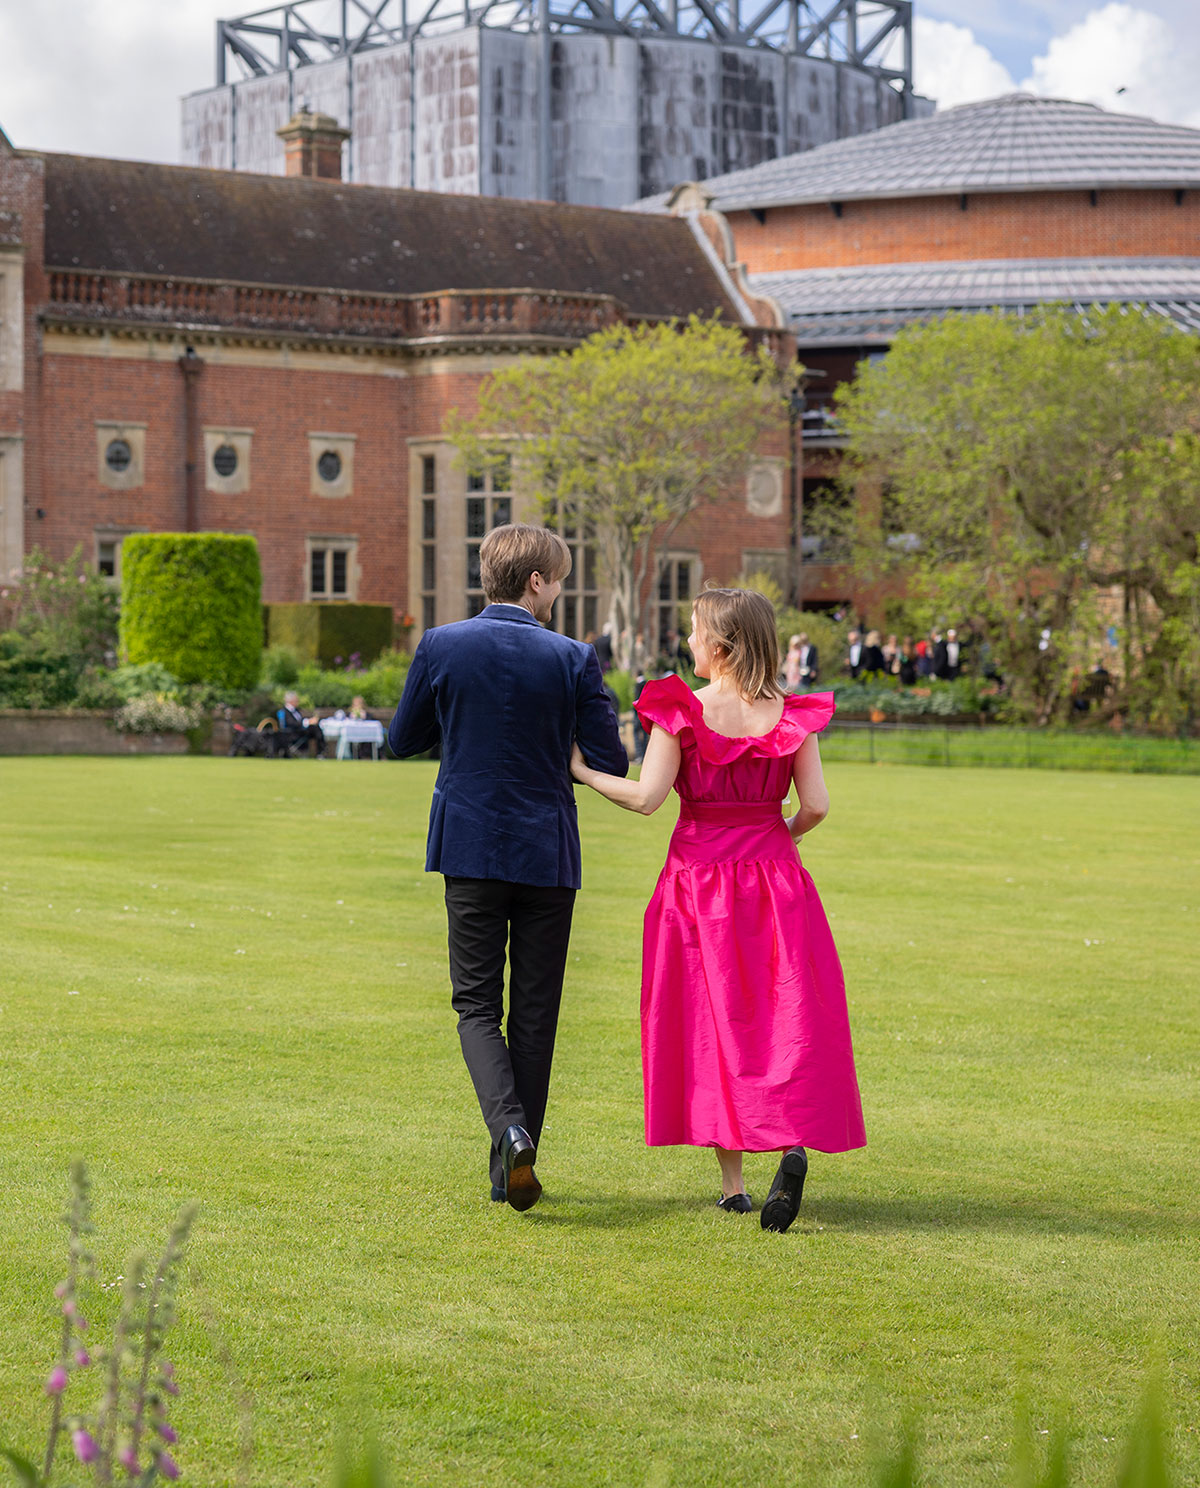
(740, 623)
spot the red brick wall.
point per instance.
(282, 405)
(1039, 224)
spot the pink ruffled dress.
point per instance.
(745, 1034)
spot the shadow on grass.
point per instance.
(613, 1211)
(1017, 1216)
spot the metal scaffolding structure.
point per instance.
(872, 35)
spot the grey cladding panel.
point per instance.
(262, 106)
(382, 138)
(509, 114)
(208, 129)
(678, 113)
(594, 137)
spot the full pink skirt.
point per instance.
(745, 1034)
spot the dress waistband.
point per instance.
(741, 813)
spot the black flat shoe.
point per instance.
(498, 1194)
(736, 1203)
(783, 1202)
(518, 1153)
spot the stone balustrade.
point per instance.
(76, 295)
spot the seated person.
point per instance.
(358, 711)
(295, 729)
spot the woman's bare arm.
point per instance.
(811, 791)
(646, 795)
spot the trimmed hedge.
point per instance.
(331, 634)
(191, 601)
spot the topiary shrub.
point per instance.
(192, 603)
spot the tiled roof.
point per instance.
(128, 217)
(1014, 143)
(867, 304)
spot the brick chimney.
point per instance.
(313, 145)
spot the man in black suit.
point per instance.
(295, 729)
(854, 653)
(947, 655)
(507, 698)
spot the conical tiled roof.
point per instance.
(1014, 143)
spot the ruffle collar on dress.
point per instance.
(672, 704)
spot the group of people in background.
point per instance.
(935, 655)
(940, 655)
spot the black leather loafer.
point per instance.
(736, 1203)
(783, 1202)
(518, 1153)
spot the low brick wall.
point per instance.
(25, 731)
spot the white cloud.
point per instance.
(1122, 47)
(103, 79)
(951, 66)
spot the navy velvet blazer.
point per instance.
(506, 699)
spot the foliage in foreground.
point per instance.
(1031, 477)
(628, 435)
(129, 1427)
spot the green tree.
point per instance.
(627, 435)
(1016, 473)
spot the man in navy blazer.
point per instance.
(506, 698)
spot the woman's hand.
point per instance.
(579, 766)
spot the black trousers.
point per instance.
(510, 1070)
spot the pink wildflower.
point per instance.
(168, 1433)
(170, 1387)
(69, 1308)
(82, 1358)
(85, 1445)
(57, 1382)
(167, 1466)
(60, 1291)
(127, 1457)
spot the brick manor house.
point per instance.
(188, 349)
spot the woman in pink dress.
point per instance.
(745, 1035)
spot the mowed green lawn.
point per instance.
(226, 980)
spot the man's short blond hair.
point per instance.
(510, 555)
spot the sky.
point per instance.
(104, 77)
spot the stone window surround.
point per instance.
(12, 318)
(216, 435)
(116, 536)
(329, 541)
(12, 504)
(668, 562)
(765, 485)
(342, 445)
(134, 435)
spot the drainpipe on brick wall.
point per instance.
(191, 366)
(796, 405)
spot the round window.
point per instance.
(225, 460)
(118, 456)
(329, 466)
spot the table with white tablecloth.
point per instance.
(350, 731)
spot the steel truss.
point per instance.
(874, 35)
